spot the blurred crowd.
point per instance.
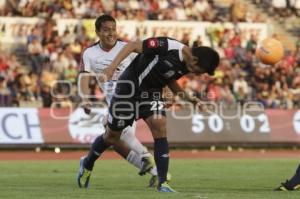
(242, 79)
(50, 78)
(198, 10)
(283, 8)
(239, 79)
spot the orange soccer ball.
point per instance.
(270, 51)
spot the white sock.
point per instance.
(134, 159)
(134, 144)
(138, 151)
(153, 171)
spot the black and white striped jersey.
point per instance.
(160, 62)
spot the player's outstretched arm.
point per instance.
(177, 90)
(136, 46)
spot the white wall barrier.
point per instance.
(16, 29)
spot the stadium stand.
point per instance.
(28, 72)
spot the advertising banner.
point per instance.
(270, 126)
(66, 126)
(285, 125)
(228, 127)
(20, 125)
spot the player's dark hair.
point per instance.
(208, 58)
(101, 19)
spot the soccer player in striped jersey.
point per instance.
(138, 94)
(160, 62)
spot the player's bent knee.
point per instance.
(158, 130)
(159, 133)
(157, 127)
(112, 137)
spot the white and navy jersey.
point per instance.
(95, 60)
(160, 62)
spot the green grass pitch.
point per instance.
(197, 179)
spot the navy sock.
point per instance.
(161, 156)
(98, 147)
(295, 180)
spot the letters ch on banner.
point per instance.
(20, 125)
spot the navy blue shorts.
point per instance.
(123, 110)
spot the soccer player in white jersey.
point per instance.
(94, 60)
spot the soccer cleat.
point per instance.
(153, 182)
(84, 175)
(147, 164)
(165, 188)
(286, 186)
